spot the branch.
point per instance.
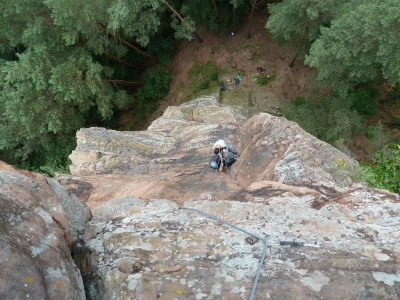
(123, 82)
(125, 42)
(122, 61)
(173, 10)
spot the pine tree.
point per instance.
(298, 24)
(362, 45)
(46, 93)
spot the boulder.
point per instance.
(157, 250)
(39, 222)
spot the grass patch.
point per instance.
(201, 77)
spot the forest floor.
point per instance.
(194, 63)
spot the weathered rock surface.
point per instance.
(39, 222)
(286, 184)
(154, 250)
(170, 159)
(143, 244)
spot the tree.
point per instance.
(213, 14)
(253, 3)
(362, 45)
(298, 24)
(217, 11)
(46, 93)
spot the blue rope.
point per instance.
(264, 240)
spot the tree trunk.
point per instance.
(216, 11)
(182, 20)
(234, 17)
(254, 4)
(251, 17)
(293, 60)
(123, 61)
(126, 42)
(123, 82)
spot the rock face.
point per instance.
(170, 159)
(143, 244)
(39, 222)
(155, 250)
(159, 226)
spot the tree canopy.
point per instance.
(348, 42)
(362, 45)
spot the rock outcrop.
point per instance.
(143, 244)
(151, 238)
(39, 222)
(170, 159)
(155, 250)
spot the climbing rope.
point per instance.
(217, 173)
(264, 240)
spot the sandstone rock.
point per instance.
(38, 224)
(144, 243)
(170, 159)
(286, 185)
(274, 148)
(186, 255)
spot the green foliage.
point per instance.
(356, 49)
(156, 87)
(299, 101)
(45, 93)
(298, 23)
(52, 159)
(157, 83)
(207, 14)
(379, 137)
(385, 174)
(204, 70)
(364, 102)
(214, 76)
(204, 85)
(262, 79)
(329, 118)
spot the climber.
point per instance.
(221, 159)
(225, 154)
(221, 145)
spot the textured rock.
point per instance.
(286, 184)
(38, 224)
(143, 244)
(279, 150)
(185, 255)
(170, 159)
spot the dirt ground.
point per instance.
(236, 54)
(239, 55)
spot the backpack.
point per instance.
(229, 157)
(215, 161)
